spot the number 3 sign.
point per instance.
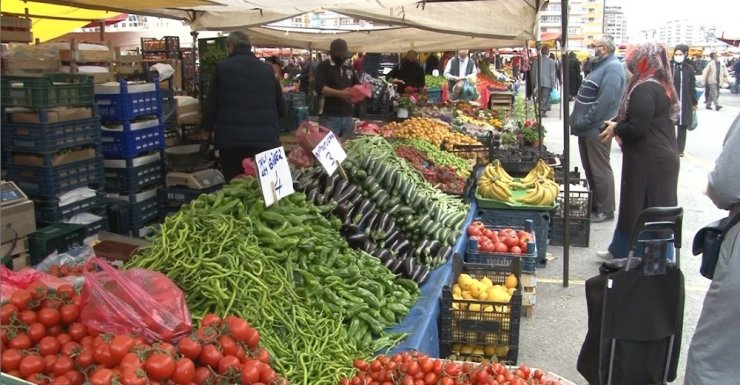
(330, 153)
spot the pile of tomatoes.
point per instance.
(65, 270)
(44, 342)
(499, 241)
(413, 368)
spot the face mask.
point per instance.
(337, 59)
(592, 52)
(678, 59)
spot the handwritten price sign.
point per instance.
(274, 175)
(330, 153)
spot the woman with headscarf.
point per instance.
(644, 127)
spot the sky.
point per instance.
(646, 14)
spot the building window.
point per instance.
(572, 31)
(589, 37)
(550, 19)
(554, 7)
(591, 19)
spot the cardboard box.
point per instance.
(9, 248)
(17, 220)
(57, 160)
(54, 115)
(188, 114)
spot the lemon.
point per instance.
(467, 295)
(511, 291)
(486, 282)
(467, 349)
(511, 281)
(483, 296)
(502, 351)
(465, 281)
(456, 290)
(475, 289)
(490, 350)
(488, 309)
(478, 351)
(491, 292)
(456, 347)
(475, 307)
(499, 296)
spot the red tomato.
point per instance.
(69, 313)
(523, 247)
(501, 248)
(447, 381)
(77, 331)
(426, 364)
(515, 250)
(101, 354)
(63, 365)
(36, 331)
(263, 356)
(6, 312)
(210, 356)
(49, 345)
(28, 317)
(228, 345)
(361, 365)
(413, 368)
(237, 328)
(488, 233)
(66, 291)
(525, 370)
(267, 375)
(206, 334)
(85, 359)
(475, 231)
(202, 374)
(487, 247)
(159, 366)
(10, 359)
(102, 376)
(20, 299)
(430, 378)
(120, 346)
(54, 330)
(49, 317)
(75, 377)
(131, 360)
(253, 338)
(20, 342)
(511, 241)
(38, 379)
(31, 364)
(210, 319)
(38, 290)
(70, 348)
(189, 348)
(133, 376)
(452, 369)
(184, 371)
(227, 364)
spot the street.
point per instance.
(552, 338)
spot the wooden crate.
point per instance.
(529, 294)
(17, 255)
(22, 65)
(11, 36)
(86, 56)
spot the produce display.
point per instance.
(538, 188)
(495, 241)
(469, 288)
(435, 81)
(433, 131)
(412, 368)
(315, 301)
(443, 177)
(46, 343)
(65, 270)
(438, 156)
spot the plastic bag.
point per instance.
(360, 92)
(308, 135)
(554, 96)
(694, 121)
(469, 92)
(249, 166)
(10, 280)
(367, 128)
(300, 158)
(136, 301)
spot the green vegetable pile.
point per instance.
(373, 163)
(317, 303)
(434, 81)
(437, 156)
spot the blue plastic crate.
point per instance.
(40, 138)
(509, 218)
(50, 211)
(97, 226)
(528, 261)
(131, 139)
(126, 102)
(50, 182)
(434, 95)
(133, 176)
(181, 195)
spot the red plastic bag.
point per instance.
(250, 168)
(308, 135)
(137, 301)
(10, 280)
(300, 158)
(367, 128)
(360, 92)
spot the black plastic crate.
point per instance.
(496, 324)
(97, 226)
(39, 138)
(130, 179)
(509, 218)
(505, 261)
(372, 110)
(49, 182)
(560, 175)
(50, 212)
(59, 236)
(165, 44)
(580, 232)
(48, 90)
(580, 201)
(181, 195)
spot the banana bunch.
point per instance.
(540, 170)
(494, 183)
(544, 193)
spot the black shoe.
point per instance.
(602, 217)
(718, 108)
(680, 154)
(709, 107)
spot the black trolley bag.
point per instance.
(635, 308)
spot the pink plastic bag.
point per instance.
(300, 158)
(10, 280)
(250, 168)
(137, 301)
(308, 135)
(360, 92)
(367, 128)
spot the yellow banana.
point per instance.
(533, 198)
(502, 173)
(499, 193)
(503, 187)
(547, 197)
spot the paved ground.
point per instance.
(552, 338)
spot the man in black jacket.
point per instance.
(334, 80)
(408, 73)
(243, 106)
(684, 80)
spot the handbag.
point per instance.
(708, 242)
(694, 121)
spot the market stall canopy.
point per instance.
(493, 19)
(379, 40)
(50, 21)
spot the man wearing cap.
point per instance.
(334, 79)
(684, 80)
(243, 105)
(597, 101)
(408, 73)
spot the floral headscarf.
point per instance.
(648, 62)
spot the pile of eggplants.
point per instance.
(371, 228)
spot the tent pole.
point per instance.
(566, 146)
(102, 31)
(193, 52)
(538, 91)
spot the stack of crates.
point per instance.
(580, 216)
(52, 143)
(133, 144)
(296, 111)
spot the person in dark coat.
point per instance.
(408, 73)
(574, 75)
(244, 103)
(684, 81)
(431, 64)
(644, 126)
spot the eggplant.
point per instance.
(356, 198)
(420, 249)
(349, 191)
(331, 184)
(363, 207)
(415, 273)
(396, 267)
(384, 255)
(366, 217)
(408, 266)
(339, 188)
(349, 229)
(448, 253)
(357, 240)
(295, 174)
(390, 228)
(311, 195)
(342, 211)
(392, 237)
(302, 184)
(381, 225)
(432, 247)
(402, 246)
(423, 275)
(371, 222)
(320, 199)
(369, 246)
(389, 263)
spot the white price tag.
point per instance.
(274, 175)
(330, 153)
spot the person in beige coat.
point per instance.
(714, 76)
